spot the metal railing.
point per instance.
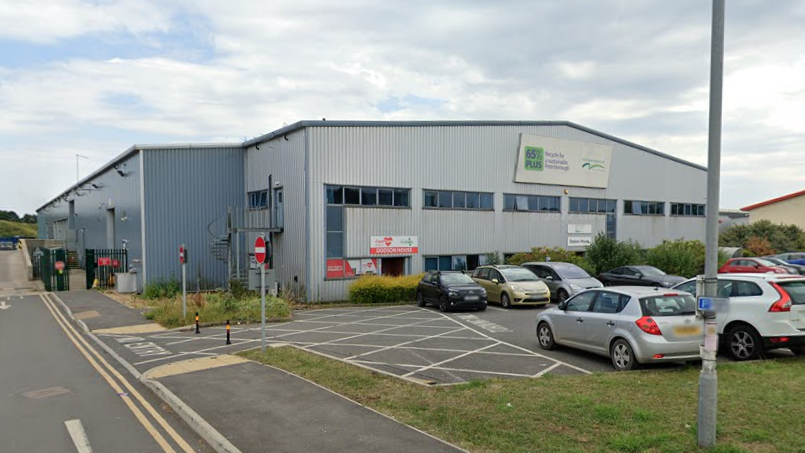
(245, 219)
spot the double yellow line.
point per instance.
(105, 369)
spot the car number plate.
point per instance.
(471, 297)
(688, 331)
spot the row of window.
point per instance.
(592, 206)
(368, 196)
(644, 207)
(458, 200)
(454, 262)
(687, 209)
(530, 203)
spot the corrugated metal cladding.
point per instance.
(283, 159)
(186, 190)
(479, 158)
(121, 193)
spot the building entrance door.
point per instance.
(393, 266)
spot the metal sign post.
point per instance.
(260, 257)
(183, 261)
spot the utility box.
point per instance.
(126, 282)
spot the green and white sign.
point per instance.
(555, 161)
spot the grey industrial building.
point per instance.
(341, 198)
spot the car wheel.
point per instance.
(562, 295)
(744, 343)
(545, 336)
(443, 306)
(505, 302)
(622, 356)
(607, 283)
(420, 301)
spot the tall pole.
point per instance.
(708, 379)
(184, 282)
(263, 307)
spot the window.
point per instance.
(457, 200)
(687, 209)
(482, 274)
(610, 303)
(258, 199)
(279, 211)
(748, 289)
(451, 262)
(581, 302)
(335, 232)
(592, 206)
(668, 305)
(368, 196)
(532, 203)
(795, 290)
(644, 207)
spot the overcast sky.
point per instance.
(96, 76)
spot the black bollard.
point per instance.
(227, 332)
(197, 331)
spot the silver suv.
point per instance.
(563, 279)
(632, 325)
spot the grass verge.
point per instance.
(760, 405)
(9, 229)
(216, 308)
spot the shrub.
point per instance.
(378, 289)
(680, 257)
(759, 246)
(782, 238)
(492, 259)
(162, 289)
(606, 253)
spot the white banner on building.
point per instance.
(579, 228)
(579, 241)
(394, 245)
(546, 160)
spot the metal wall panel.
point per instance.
(480, 158)
(282, 158)
(186, 190)
(114, 191)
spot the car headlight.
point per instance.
(668, 284)
(452, 293)
(483, 292)
(519, 289)
(576, 287)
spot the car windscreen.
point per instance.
(456, 279)
(570, 271)
(765, 262)
(518, 275)
(796, 290)
(668, 305)
(650, 271)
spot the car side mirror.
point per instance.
(495, 281)
(640, 276)
(562, 306)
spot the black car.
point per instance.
(450, 290)
(639, 276)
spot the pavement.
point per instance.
(14, 277)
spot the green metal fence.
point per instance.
(103, 264)
(53, 270)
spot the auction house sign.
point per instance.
(547, 160)
(394, 245)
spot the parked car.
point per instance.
(6, 245)
(563, 279)
(792, 258)
(449, 291)
(765, 311)
(639, 276)
(750, 266)
(632, 325)
(796, 269)
(512, 285)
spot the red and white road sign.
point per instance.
(181, 254)
(260, 250)
(59, 265)
(115, 263)
(104, 261)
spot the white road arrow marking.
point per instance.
(76, 430)
(4, 306)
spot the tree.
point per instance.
(758, 246)
(680, 257)
(606, 253)
(9, 215)
(29, 218)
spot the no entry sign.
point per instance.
(260, 250)
(59, 265)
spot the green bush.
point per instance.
(606, 253)
(217, 308)
(680, 257)
(378, 289)
(550, 254)
(782, 238)
(162, 289)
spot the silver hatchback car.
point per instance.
(632, 325)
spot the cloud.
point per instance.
(208, 70)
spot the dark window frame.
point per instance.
(257, 199)
(585, 202)
(515, 200)
(688, 209)
(646, 208)
(436, 196)
(400, 196)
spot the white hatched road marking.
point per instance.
(79, 436)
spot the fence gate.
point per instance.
(53, 269)
(103, 264)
